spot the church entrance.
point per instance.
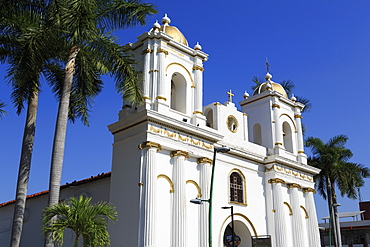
(242, 233)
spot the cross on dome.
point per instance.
(267, 66)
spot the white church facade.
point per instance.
(170, 150)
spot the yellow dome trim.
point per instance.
(275, 87)
(175, 33)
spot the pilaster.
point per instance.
(148, 207)
(280, 222)
(297, 224)
(313, 230)
(178, 234)
(205, 183)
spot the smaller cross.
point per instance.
(230, 95)
(267, 66)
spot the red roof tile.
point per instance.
(74, 183)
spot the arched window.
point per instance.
(178, 92)
(257, 134)
(236, 188)
(287, 137)
(209, 116)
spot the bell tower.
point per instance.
(275, 120)
(172, 73)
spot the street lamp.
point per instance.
(232, 223)
(334, 225)
(338, 240)
(199, 201)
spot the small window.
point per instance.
(236, 188)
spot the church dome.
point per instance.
(174, 32)
(267, 86)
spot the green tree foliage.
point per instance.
(2, 111)
(90, 50)
(63, 41)
(88, 221)
(336, 169)
(24, 33)
(336, 172)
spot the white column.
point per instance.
(154, 70)
(178, 234)
(148, 206)
(245, 126)
(161, 75)
(278, 127)
(198, 80)
(312, 224)
(281, 234)
(204, 183)
(297, 118)
(146, 77)
(297, 219)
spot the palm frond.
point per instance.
(257, 82)
(2, 111)
(288, 86)
(85, 219)
(122, 14)
(333, 160)
(306, 102)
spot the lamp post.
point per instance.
(334, 225)
(200, 201)
(338, 240)
(232, 223)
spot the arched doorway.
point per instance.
(243, 228)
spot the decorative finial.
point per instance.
(294, 99)
(166, 20)
(230, 96)
(245, 95)
(198, 47)
(156, 26)
(268, 76)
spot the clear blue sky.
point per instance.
(323, 46)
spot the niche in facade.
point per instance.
(178, 92)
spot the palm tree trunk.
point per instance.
(24, 168)
(330, 206)
(60, 134)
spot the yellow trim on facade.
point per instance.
(197, 186)
(305, 211)
(150, 144)
(172, 190)
(189, 74)
(289, 207)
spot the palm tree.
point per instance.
(85, 220)
(336, 172)
(23, 31)
(29, 45)
(2, 111)
(91, 51)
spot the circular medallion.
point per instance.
(232, 123)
